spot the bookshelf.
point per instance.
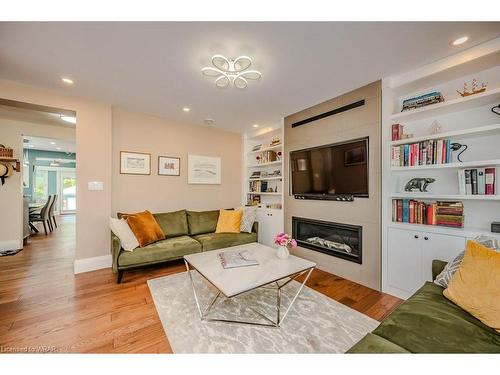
(270, 208)
(465, 120)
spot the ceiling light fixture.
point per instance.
(52, 143)
(70, 119)
(58, 148)
(255, 125)
(229, 71)
(209, 122)
(186, 109)
(460, 40)
(69, 81)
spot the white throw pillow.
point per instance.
(248, 218)
(122, 230)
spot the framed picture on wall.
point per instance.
(135, 163)
(204, 170)
(169, 166)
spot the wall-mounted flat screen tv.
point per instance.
(331, 170)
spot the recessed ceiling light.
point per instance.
(52, 143)
(31, 146)
(70, 119)
(460, 40)
(69, 81)
(209, 121)
(58, 148)
(255, 125)
(186, 109)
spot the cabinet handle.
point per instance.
(426, 238)
(416, 236)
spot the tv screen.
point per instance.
(330, 170)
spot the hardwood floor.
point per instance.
(45, 308)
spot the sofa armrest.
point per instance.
(116, 248)
(255, 227)
(437, 267)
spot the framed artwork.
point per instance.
(355, 156)
(204, 170)
(169, 166)
(135, 163)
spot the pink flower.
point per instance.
(293, 243)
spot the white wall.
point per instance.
(93, 158)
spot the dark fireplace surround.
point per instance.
(339, 240)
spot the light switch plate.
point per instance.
(96, 185)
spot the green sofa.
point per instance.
(186, 232)
(429, 323)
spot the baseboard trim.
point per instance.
(11, 245)
(92, 264)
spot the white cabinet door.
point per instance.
(404, 261)
(270, 223)
(441, 247)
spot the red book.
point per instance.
(397, 131)
(489, 179)
(430, 213)
(412, 212)
(400, 210)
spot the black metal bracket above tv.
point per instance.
(326, 197)
(344, 108)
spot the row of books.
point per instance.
(477, 181)
(422, 100)
(437, 151)
(258, 186)
(448, 214)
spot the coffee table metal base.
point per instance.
(275, 323)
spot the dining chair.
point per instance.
(43, 216)
(52, 217)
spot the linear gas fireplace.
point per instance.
(339, 240)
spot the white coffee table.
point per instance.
(271, 272)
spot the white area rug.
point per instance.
(315, 323)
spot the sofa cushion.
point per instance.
(429, 323)
(145, 228)
(475, 287)
(202, 222)
(173, 224)
(375, 344)
(161, 251)
(213, 241)
(229, 221)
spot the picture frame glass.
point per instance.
(204, 170)
(169, 166)
(135, 163)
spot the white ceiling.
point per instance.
(40, 143)
(155, 67)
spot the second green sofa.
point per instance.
(428, 322)
(186, 232)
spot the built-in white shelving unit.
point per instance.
(408, 249)
(270, 207)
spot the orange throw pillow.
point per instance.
(229, 221)
(144, 227)
(475, 287)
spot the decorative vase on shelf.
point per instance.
(282, 252)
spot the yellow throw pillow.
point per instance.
(145, 228)
(475, 287)
(229, 221)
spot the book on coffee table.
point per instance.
(234, 259)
